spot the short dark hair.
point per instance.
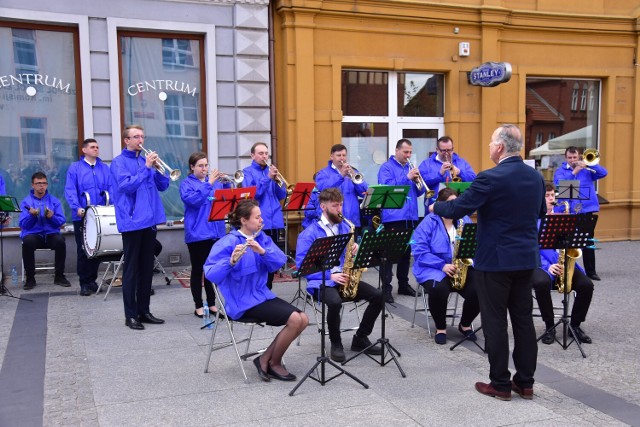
(549, 187)
(242, 210)
(572, 149)
(88, 141)
(445, 193)
(402, 141)
(253, 147)
(38, 175)
(338, 147)
(194, 158)
(330, 195)
(443, 138)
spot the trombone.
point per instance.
(420, 183)
(282, 183)
(162, 167)
(355, 175)
(591, 157)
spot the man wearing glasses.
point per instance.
(135, 184)
(444, 166)
(40, 222)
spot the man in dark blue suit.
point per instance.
(509, 199)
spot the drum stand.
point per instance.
(116, 265)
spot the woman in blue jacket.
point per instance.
(196, 192)
(433, 268)
(239, 264)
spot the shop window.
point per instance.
(163, 81)
(40, 116)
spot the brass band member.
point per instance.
(331, 224)
(434, 269)
(268, 194)
(242, 280)
(543, 283)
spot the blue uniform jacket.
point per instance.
(41, 225)
(432, 248)
(329, 177)
(243, 285)
(586, 179)
(393, 173)
(135, 192)
(3, 190)
(313, 211)
(197, 197)
(81, 177)
(549, 257)
(268, 194)
(430, 171)
(305, 240)
(509, 199)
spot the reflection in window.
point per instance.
(32, 131)
(583, 98)
(592, 97)
(552, 135)
(365, 93)
(420, 95)
(176, 54)
(574, 97)
(24, 50)
(181, 115)
(539, 137)
(366, 147)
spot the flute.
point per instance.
(236, 258)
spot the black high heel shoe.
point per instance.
(263, 375)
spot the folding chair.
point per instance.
(158, 266)
(115, 265)
(421, 293)
(40, 266)
(223, 317)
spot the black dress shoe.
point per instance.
(406, 290)
(580, 335)
(277, 376)
(61, 280)
(85, 292)
(133, 323)
(360, 343)
(469, 333)
(150, 318)
(195, 313)
(594, 276)
(386, 294)
(337, 353)
(549, 336)
(263, 375)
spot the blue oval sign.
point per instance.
(490, 74)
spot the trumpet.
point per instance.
(282, 183)
(235, 178)
(421, 184)
(354, 175)
(162, 167)
(236, 258)
(452, 173)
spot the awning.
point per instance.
(544, 150)
(580, 138)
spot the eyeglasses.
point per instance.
(136, 137)
(446, 151)
(40, 183)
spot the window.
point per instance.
(176, 54)
(539, 137)
(32, 131)
(583, 98)
(574, 97)
(181, 116)
(422, 95)
(24, 50)
(552, 135)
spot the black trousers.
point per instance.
(439, 298)
(198, 253)
(273, 233)
(501, 293)
(543, 286)
(31, 242)
(137, 274)
(402, 269)
(589, 255)
(334, 306)
(87, 268)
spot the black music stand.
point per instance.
(566, 232)
(295, 200)
(376, 249)
(7, 204)
(323, 255)
(570, 189)
(467, 249)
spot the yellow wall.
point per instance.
(316, 39)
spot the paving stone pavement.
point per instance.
(98, 372)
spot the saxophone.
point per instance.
(350, 290)
(462, 264)
(572, 255)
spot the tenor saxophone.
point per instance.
(350, 289)
(462, 264)
(572, 256)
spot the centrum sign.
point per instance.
(490, 74)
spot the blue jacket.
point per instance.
(135, 192)
(81, 177)
(243, 285)
(586, 179)
(393, 173)
(329, 177)
(41, 225)
(3, 190)
(313, 211)
(509, 199)
(305, 240)
(197, 197)
(268, 194)
(432, 248)
(549, 257)
(430, 171)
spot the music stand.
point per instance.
(323, 255)
(458, 187)
(385, 196)
(570, 189)
(7, 204)
(226, 199)
(566, 232)
(467, 249)
(375, 249)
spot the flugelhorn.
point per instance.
(354, 175)
(420, 183)
(282, 183)
(162, 167)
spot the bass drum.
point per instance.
(100, 234)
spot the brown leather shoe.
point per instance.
(525, 393)
(487, 389)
